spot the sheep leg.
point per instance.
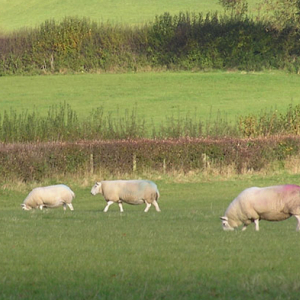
(298, 222)
(121, 207)
(41, 207)
(70, 206)
(244, 227)
(256, 222)
(156, 205)
(109, 203)
(148, 205)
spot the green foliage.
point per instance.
(60, 144)
(184, 41)
(271, 123)
(62, 124)
(281, 13)
(236, 7)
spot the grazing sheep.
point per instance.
(274, 203)
(127, 191)
(49, 196)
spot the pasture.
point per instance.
(180, 253)
(154, 95)
(19, 14)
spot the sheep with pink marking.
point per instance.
(273, 203)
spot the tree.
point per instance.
(281, 13)
(235, 7)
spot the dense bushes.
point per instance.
(38, 161)
(184, 41)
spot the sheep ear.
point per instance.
(224, 218)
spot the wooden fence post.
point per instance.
(91, 163)
(134, 162)
(164, 166)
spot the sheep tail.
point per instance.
(157, 195)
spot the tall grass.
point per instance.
(36, 147)
(269, 123)
(61, 123)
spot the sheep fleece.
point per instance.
(274, 203)
(50, 196)
(131, 191)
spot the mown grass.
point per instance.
(154, 95)
(18, 14)
(180, 253)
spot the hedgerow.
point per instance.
(35, 147)
(184, 41)
(39, 161)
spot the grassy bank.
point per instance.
(155, 95)
(132, 12)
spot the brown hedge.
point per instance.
(37, 161)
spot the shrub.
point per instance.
(184, 41)
(37, 161)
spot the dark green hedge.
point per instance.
(38, 161)
(184, 41)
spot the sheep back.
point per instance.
(274, 203)
(50, 196)
(130, 191)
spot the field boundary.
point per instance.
(39, 161)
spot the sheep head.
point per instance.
(225, 224)
(97, 188)
(25, 207)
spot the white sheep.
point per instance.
(127, 191)
(274, 203)
(49, 196)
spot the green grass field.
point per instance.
(18, 14)
(180, 253)
(155, 95)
